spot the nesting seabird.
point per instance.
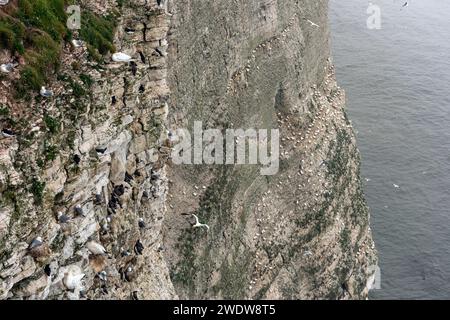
(46, 93)
(38, 250)
(129, 274)
(103, 275)
(63, 218)
(7, 67)
(121, 57)
(129, 30)
(96, 248)
(138, 247)
(98, 198)
(36, 242)
(141, 223)
(198, 224)
(3, 2)
(7, 133)
(73, 277)
(77, 43)
(79, 210)
(101, 150)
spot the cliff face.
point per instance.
(302, 233)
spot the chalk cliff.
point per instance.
(92, 163)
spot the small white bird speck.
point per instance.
(121, 57)
(312, 23)
(46, 93)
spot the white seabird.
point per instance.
(121, 57)
(7, 67)
(198, 224)
(3, 2)
(77, 43)
(72, 278)
(96, 248)
(46, 93)
(7, 133)
(312, 23)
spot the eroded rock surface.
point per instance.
(88, 167)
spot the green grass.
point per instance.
(37, 189)
(98, 32)
(37, 30)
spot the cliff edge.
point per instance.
(92, 205)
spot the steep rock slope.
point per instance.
(98, 152)
(302, 233)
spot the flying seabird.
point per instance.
(396, 186)
(138, 247)
(96, 248)
(405, 5)
(125, 253)
(198, 224)
(46, 93)
(121, 57)
(7, 133)
(312, 23)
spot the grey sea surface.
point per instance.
(397, 81)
